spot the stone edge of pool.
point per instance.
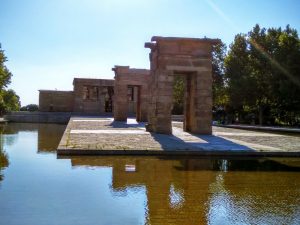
(62, 151)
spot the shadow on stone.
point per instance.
(204, 142)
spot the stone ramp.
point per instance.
(104, 136)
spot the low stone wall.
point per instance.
(57, 117)
(44, 117)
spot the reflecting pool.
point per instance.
(36, 187)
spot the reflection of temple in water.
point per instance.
(193, 191)
(170, 192)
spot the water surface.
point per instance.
(37, 188)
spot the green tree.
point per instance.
(5, 74)
(178, 95)
(240, 84)
(9, 100)
(286, 74)
(262, 72)
(259, 61)
(30, 108)
(220, 96)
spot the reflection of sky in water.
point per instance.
(221, 206)
(176, 197)
(38, 188)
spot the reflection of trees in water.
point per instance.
(10, 135)
(241, 164)
(3, 156)
(255, 198)
(198, 191)
(3, 162)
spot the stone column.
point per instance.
(161, 102)
(203, 103)
(144, 102)
(121, 103)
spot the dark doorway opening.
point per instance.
(108, 102)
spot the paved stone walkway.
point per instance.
(104, 136)
(263, 128)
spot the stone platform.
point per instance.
(104, 136)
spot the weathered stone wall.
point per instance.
(55, 101)
(191, 58)
(128, 77)
(90, 94)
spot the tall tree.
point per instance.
(286, 72)
(218, 71)
(241, 85)
(220, 97)
(259, 61)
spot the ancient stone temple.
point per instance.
(148, 94)
(190, 58)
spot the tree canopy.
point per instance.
(30, 108)
(260, 77)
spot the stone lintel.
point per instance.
(187, 69)
(184, 39)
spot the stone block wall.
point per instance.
(55, 101)
(128, 77)
(90, 94)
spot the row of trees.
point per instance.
(258, 79)
(9, 100)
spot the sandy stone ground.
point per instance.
(84, 133)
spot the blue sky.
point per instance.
(48, 43)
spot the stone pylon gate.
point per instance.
(191, 58)
(128, 77)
